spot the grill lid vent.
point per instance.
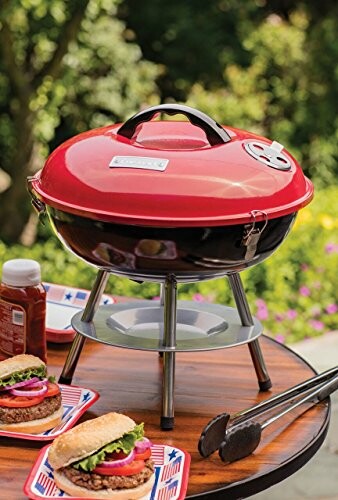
(270, 154)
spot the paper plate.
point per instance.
(171, 476)
(75, 401)
(62, 303)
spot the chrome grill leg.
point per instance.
(243, 309)
(169, 340)
(79, 340)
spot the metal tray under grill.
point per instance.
(140, 325)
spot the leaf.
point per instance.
(125, 443)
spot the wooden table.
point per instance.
(207, 383)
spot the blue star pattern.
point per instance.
(86, 397)
(172, 454)
(48, 466)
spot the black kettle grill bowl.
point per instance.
(148, 253)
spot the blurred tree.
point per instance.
(288, 92)
(266, 66)
(65, 67)
(193, 39)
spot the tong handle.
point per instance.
(328, 389)
(283, 397)
(322, 392)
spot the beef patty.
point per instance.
(16, 415)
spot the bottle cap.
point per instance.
(21, 272)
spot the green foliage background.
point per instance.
(268, 67)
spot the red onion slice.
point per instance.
(21, 384)
(39, 383)
(143, 445)
(118, 463)
(32, 394)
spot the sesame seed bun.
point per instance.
(87, 438)
(19, 363)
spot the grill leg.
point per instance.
(169, 340)
(87, 316)
(161, 304)
(264, 381)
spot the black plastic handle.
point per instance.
(215, 133)
(213, 435)
(240, 441)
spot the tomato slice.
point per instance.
(144, 455)
(134, 467)
(52, 390)
(10, 401)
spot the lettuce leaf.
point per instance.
(126, 443)
(16, 377)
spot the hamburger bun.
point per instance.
(87, 438)
(19, 363)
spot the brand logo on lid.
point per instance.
(139, 162)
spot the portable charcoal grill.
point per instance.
(170, 202)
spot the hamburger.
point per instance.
(106, 457)
(30, 402)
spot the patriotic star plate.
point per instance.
(62, 303)
(171, 476)
(75, 401)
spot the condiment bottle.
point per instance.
(22, 309)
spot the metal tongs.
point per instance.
(243, 434)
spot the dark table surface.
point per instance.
(207, 383)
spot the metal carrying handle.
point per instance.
(215, 133)
(253, 214)
(38, 205)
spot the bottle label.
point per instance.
(13, 326)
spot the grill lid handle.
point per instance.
(215, 133)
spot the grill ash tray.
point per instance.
(140, 325)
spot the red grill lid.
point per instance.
(170, 173)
